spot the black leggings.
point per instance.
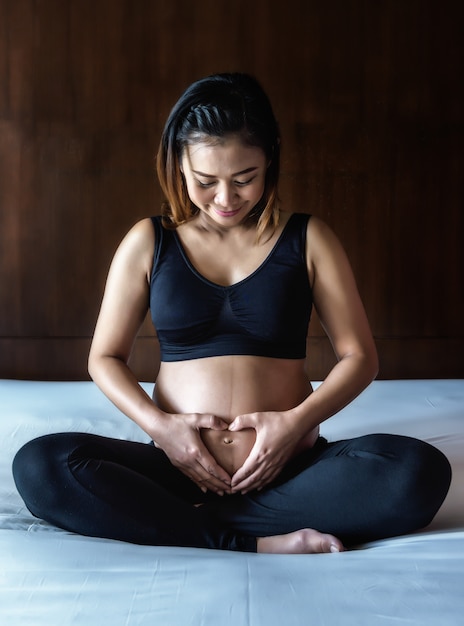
(359, 489)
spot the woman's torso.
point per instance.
(230, 386)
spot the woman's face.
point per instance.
(225, 178)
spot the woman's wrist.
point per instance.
(303, 419)
(154, 423)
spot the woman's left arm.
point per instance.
(342, 315)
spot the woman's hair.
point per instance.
(211, 109)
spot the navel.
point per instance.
(228, 440)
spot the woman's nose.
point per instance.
(225, 196)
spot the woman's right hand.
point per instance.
(180, 440)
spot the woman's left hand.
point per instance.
(276, 441)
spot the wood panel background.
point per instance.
(369, 99)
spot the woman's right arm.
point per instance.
(124, 307)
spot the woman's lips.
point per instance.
(227, 213)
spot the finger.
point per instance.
(204, 480)
(253, 482)
(201, 467)
(210, 465)
(254, 460)
(240, 422)
(247, 484)
(248, 474)
(211, 484)
(212, 474)
(210, 421)
(258, 479)
(215, 471)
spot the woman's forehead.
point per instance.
(228, 150)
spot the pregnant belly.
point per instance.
(230, 449)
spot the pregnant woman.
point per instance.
(230, 278)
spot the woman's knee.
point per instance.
(423, 481)
(409, 477)
(37, 469)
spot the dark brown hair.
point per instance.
(215, 107)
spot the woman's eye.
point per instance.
(242, 183)
(238, 183)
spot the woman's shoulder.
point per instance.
(141, 234)
(323, 244)
(316, 228)
(138, 244)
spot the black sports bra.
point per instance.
(265, 314)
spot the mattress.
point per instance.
(52, 577)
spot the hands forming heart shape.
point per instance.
(229, 449)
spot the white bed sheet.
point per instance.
(51, 577)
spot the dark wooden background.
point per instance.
(369, 99)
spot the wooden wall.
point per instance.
(369, 98)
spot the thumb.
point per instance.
(215, 423)
(240, 422)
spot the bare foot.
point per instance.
(305, 541)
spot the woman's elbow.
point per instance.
(92, 365)
(372, 363)
(95, 362)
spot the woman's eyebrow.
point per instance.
(247, 171)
